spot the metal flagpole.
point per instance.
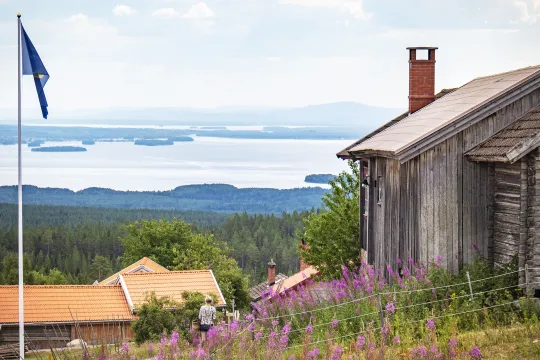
(21, 287)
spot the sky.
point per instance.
(256, 53)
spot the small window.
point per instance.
(379, 190)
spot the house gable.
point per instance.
(450, 114)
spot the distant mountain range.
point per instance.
(332, 114)
(213, 197)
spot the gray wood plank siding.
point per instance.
(440, 204)
(507, 210)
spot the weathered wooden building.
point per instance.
(456, 174)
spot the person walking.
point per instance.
(207, 315)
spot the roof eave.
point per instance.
(488, 159)
(474, 115)
(372, 153)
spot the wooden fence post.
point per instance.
(470, 285)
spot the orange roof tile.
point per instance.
(52, 303)
(294, 280)
(144, 262)
(171, 284)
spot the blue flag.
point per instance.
(32, 65)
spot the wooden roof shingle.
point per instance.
(511, 143)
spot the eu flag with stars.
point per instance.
(32, 65)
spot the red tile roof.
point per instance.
(53, 303)
(143, 263)
(171, 284)
(295, 280)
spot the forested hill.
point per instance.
(73, 216)
(70, 244)
(213, 197)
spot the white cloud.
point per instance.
(529, 10)
(199, 11)
(353, 7)
(123, 10)
(273, 58)
(78, 18)
(166, 13)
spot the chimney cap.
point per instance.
(271, 263)
(422, 48)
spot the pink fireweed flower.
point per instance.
(150, 350)
(360, 341)
(438, 261)
(434, 349)
(390, 307)
(258, 335)
(292, 357)
(164, 339)
(406, 272)
(283, 341)
(430, 324)
(398, 260)
(234, 326)
(275, 322)
(175, 336)
(309, 329)
(411, 261)
(385, 330)
(313, 354)
(125, 347)
(476, 353)
(286, 329)
(422, 351)
(396, 339)
(334, 323)
(132, 357)
(336, 353)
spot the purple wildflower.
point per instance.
(422, 351)
(385, 330)
(125, 347)
(313, 354)
(132, 357)
(174, 338)
(411, 261)
(309, 329)
(334, 323)
(476, 353)
(286, 329)
(434, 349)
(453, 342)
(275, 322)
(361, 341)
(390, 307)
(292, 357)
(430, 324)
(336, 353)
(439, 260)
(258, 336)
(163, 339)
(398, 260)
(150, 350)
(396, 340)
(475, 247)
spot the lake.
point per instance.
(123, 166)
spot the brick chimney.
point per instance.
(303, 265)
(271, 272)
(421, 78)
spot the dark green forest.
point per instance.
(208, 197)
(80, 245)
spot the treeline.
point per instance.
(80, 245)
(207, 197)
(35, 215)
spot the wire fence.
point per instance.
(380, 312)
(402, 292)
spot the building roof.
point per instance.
(64, 303)
(344, 154)
(295, 280)
(511, 143)
(170, 284)
(256, 292)
(449, 113)
(143, 265)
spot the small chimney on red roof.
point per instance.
(303, 265)
(271, 272)
(421, 77)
